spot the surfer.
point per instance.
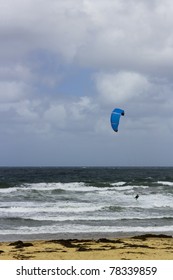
(137, 196)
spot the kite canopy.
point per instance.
(115, 118)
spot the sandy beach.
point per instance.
(143, 247)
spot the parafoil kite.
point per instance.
(115, 118)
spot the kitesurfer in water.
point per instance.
(137, 196)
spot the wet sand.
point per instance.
(143, 247)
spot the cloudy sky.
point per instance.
(66, 64)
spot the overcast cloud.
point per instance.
(65, 65)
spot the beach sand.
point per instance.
(144, 247)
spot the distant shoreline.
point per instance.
(79, 235)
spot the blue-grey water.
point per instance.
(68, 201)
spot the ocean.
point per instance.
(73, 202)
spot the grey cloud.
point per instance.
(127, 46)
(118, 34)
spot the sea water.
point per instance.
(85, 201)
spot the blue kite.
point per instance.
(115, 118)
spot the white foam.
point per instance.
(8, 190)
(124, 188)
(118, 184)
(85, 229)
(165, 183)
(56, 209)
(73, 218)
(73, 186)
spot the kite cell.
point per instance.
(115, 118)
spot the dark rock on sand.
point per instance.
(150, 235)
(105, 240)
(66, 243)
(20, 244)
